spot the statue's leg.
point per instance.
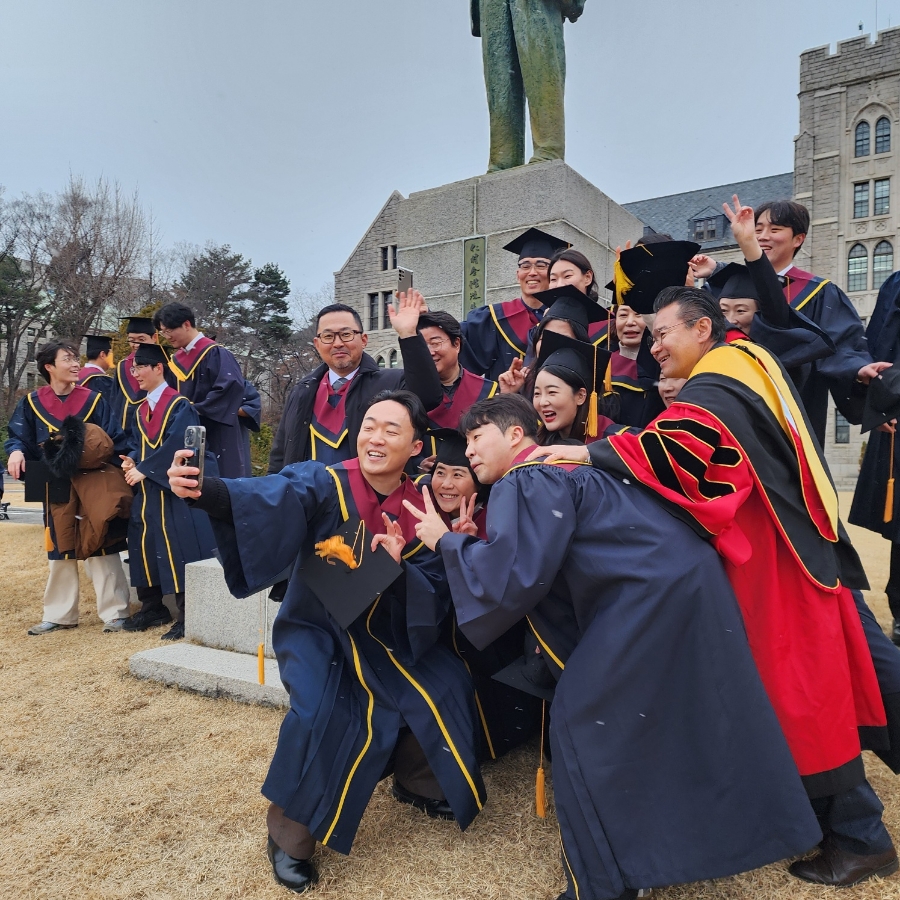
(538, 26)
(503, 80)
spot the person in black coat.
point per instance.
(324, 412)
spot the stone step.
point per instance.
(215, 673)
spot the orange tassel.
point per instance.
(261, 663)
(48, 540)
(889, 496)
(591, 426)
(540, 793)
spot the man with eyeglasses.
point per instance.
(735, 457)
(56, 410)
(324, 412)
(496, 334)
(441, 335)
(211, 378)
(127, 393)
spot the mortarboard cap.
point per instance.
(567, 302)
(733, 282)
(643, 271)
(882, 399)
(346, 574)
(529, 675)
(587, 361)
(97, 344)
(450, 447)
(138, 325)
(150, 355)
(535, 243)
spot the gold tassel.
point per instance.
(889, 496)
(540, 794)
(622, 283)
(607, 380)
(261, 663)
(48, 540)
(590, 429)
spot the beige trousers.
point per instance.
(110, 585)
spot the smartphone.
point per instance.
(195, 439)
(404, 280)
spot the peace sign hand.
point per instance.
(465, 524)
(430, 528)
(393, 541)
(743, 227)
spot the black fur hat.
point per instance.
(63, 450)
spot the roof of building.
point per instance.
(674, 214)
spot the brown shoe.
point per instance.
(839, 868)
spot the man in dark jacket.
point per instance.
(324, 412)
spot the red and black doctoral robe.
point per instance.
(735, 457)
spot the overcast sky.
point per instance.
(280, 127)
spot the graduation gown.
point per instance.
(735, 455)
(828, 307)
(351, 691)
(637, 392)
(40, 414)
(210, 377)
(471, 389)
(164, 533)
(672, 766)
(495, 335)
(868, 510)
(95, 379)
(127, 393)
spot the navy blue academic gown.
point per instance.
(210, 377)
(127, 394)
(669, 765)
(96, 380)
(495, 335)
(41, 414)
(164, 533)
(351, 691)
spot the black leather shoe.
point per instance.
(839, 868)
(175, 633)
(434, 809)
(141, 621)
(895, 632)
(297, 875)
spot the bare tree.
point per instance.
(95, 244)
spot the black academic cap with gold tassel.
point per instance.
(586, 361)
(641, 272)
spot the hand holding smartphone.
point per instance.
(195, 439)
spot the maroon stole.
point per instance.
(624, 372)
(183, 363)
(598, 332)
(89, 372)
(152, 425)
(80, 403)
(470, 390)
(514, 319)
(357, 498)
(800, 287)
(328, 423)
(127, 382)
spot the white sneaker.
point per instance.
(113, 625)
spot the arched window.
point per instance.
(858, 268)
(862, 139)
(882, 263)
(380, 361)
(392, 360)
(883, 135)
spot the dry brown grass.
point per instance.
(117, 788)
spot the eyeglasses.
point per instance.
(66, 360)
(660, 335)
(347, 335)
(134, 368)
(437, 343)
(540, 266)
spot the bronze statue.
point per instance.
(524, 60)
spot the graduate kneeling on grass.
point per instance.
(358, 638)
(669, 764)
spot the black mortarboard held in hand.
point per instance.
(639, 274)
(97, 344)
(150, 355)
(138, 325)
(567, 302)
(882, 399)
(733, 282)
(536, 244)
(346, 574)
(587, 361)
